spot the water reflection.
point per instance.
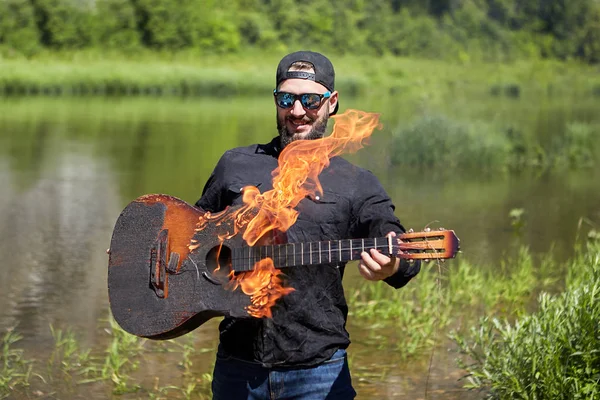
(54, 231)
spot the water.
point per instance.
(68, 167)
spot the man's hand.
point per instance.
(375, 266)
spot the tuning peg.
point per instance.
(442, 229)
(426, 260)
(411, 230)
(427, 229)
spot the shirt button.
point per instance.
(317, 198)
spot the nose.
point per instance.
(297, 109)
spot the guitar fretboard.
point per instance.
(295, 254)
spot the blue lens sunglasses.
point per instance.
(310, 101)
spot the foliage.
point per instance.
(412, 316)
(63, 24)
(436, 140)
(17, 26)
(15, 368)
(439, 141)
(70, 365)
(495, 30)
(554, 353)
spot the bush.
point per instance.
(18, 30)
(552, 354)
(116, 25)
(64, 24)
(439, 141)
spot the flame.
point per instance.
(300, 164)
(296, 177)
(263, 285)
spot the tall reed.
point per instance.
(439, 141)
(551, 354)
(16, 370)
(448, 295)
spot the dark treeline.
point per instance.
(447, 29)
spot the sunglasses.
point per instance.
(310, 101)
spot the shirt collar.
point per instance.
(273, 148)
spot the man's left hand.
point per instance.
(375, 266)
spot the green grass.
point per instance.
(192, 74)
(553, 353)
(15, 369)
(445, 295)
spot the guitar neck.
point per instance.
(424, 245)
(294, 254)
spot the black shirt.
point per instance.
(309, 324)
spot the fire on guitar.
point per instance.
(173, 267)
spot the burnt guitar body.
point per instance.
(157, 287)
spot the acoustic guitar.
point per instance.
(171, 264)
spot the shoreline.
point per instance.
(91, 73)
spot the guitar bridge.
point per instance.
(160, 264)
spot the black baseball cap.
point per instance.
(324, 72)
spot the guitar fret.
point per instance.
(320, 262)
(347, 247)
(289, 249)
(234, 253)
(335, 252)
(243, 251)
(340, 249)
(310, 252)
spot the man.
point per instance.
(300, 352)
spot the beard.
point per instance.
(317, 131)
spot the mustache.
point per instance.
(303, 119)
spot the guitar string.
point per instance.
(437, 316)
(346, 249)
(349, 250)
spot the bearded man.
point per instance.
(300, 352)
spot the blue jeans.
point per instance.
(235, 379)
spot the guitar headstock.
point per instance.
(429, 244)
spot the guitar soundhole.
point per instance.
(218, 263)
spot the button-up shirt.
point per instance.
(309, 324)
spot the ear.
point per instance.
(333, 99)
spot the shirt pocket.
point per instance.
(324, 216)
(235, 191)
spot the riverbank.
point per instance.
(408, 322)
(146, 73)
